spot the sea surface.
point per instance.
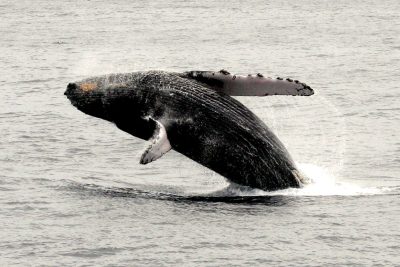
(72, 191)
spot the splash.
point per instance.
(322, 183)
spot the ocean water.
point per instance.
(72, 191)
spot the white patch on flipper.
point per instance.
(159, 145)
(259, 86)
(251, 85)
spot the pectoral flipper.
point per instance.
(250, 85)
(159, 144)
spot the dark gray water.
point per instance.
(72, 191)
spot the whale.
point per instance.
(195, 114)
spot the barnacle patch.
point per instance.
(88, 86)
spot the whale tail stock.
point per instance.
(250, 85)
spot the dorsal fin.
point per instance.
(250, 85)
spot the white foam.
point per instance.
(322, 183)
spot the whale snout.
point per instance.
(71, 87)
(84, 96)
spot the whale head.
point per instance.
(87, 97)
(111, 96)
(118, 98)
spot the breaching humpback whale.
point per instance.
(194, 114)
